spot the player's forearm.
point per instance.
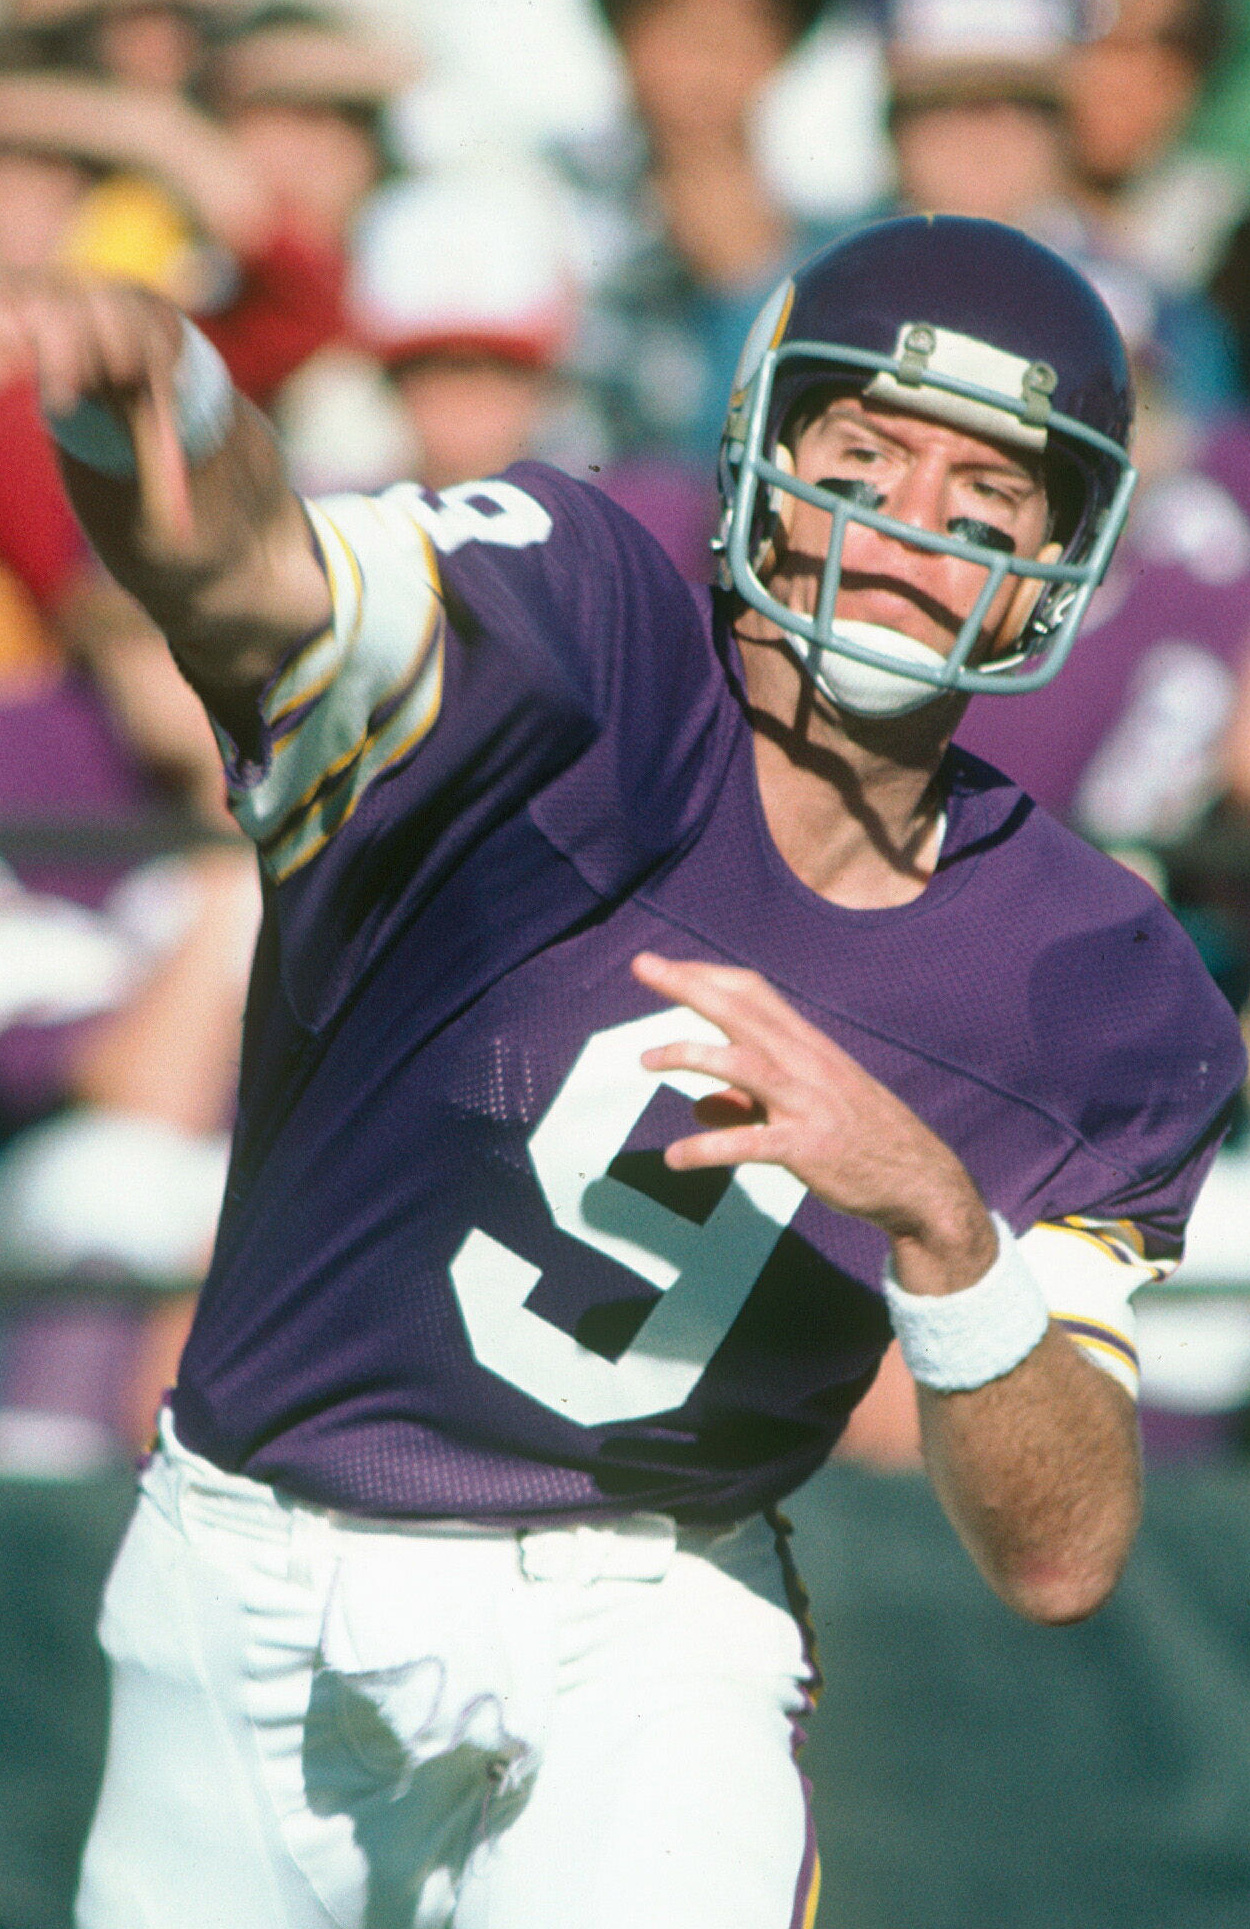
(1039, 1473)
(239, 583)
(1037, 1464)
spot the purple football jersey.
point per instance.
(453, 1275)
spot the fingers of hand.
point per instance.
(735, 1145)
(83, 338)
(132, 342)
(754, 1085)
(164, 485)
(60, 350)
(716, 992)
(136, 350)
(111, 342)
(691, 1055)
(814, 1108)
(745, 1006)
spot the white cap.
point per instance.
(461, 260)
(1024, 30)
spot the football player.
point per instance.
(651, 1014)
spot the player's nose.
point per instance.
(919, 496)
(919, 493)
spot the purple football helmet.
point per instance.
(973, 324)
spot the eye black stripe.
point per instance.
(853, 489)
(983, 533)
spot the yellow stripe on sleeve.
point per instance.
(1088, 1270)
(381, 657)
(403, 731)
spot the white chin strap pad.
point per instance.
(865, 689)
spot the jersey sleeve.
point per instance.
(512, 624)
(1088, 1270)
(356, 698)
(1090, 1263)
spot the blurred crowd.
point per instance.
(430, 237)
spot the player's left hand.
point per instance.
(794, 1098)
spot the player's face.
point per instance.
(923, 472)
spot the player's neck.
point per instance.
(853, 805)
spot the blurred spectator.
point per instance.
(304, 97)
(122, 994)
(41, 192)
(466, 290)
(156, 180)
(467, 100)
(56, 135)
(819, 124)
(1132, 88)
(975, 100)
(121, 991)
(242, 217)
(1236, 752)
(1221, 122)
(142, 183)
(41, 545)
(816, 125)
(682, 234)
(39, 195)
(157, 45)
(1128, 744)
(982, 106)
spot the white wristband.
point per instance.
(203, 404)
(954, 1342)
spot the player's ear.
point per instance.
(781, 507)
(1023, 602)
(782, 503)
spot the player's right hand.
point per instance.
(79, 336)
(111, 342)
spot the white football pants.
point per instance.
(324, 1722)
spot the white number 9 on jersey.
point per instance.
(704, 1272)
